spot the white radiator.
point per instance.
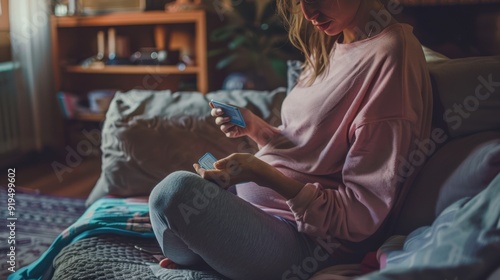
(9, 115)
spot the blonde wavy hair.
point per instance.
(313, 43)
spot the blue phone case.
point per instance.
(233, 112)
(207, 161)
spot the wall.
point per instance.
(456, 30)
(487, 28)
(5, 52)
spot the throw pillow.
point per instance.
(472, 175)
(468, 90)
(149, 134)
(459, 168)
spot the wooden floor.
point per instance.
(41, 175)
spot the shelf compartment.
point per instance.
(89, 116)
(139, 18)
(126, 69)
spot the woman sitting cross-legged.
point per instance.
(323, 186)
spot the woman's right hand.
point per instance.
(256, 128)
(229, 129)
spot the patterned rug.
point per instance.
(40, 219)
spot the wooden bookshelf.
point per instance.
(133, 70)
(74, 40)
(91, 117)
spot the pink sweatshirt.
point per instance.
(345, 135)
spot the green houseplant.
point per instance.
(254, 44)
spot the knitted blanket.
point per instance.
(102, 243)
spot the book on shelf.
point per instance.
(68, 103)
(75, 107)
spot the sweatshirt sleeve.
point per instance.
(354, 209)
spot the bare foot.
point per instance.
(168, 263)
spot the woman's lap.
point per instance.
(195, 221)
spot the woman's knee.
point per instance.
(170, 190)
(176, 189)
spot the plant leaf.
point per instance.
(238, 41)
(216, 52)
(226, 61)
(224, 32)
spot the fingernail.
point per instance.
(219, 111)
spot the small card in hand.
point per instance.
(232, 111)
(207, 161)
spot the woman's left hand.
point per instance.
(234, 169)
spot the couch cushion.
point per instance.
(462, 243)
(149, 134)
(467, 92)
(462, 167)
(433, 56)
(474, 173)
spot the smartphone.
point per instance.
(207, 161)
(232, 111)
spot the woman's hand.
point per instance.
(256, 128)
(234, 169)
(224, 122)
(241, 168)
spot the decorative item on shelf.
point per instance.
(60, 10)
(183, 5)
(99, 100)
(93, 108)
(97, 7)
(98, 60)
(160, 41)
(160, 54)
(69, 104)
(236, 81)
(182, 40)
(114, 56)
(111, 44)
(72, 8)
(65, 7)
(152, 56)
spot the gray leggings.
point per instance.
(197, 222)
